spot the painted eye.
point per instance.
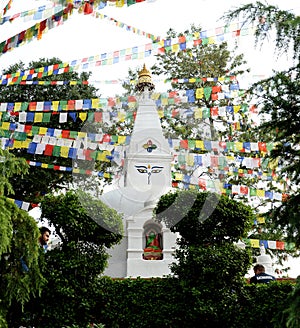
(142, 170)
(156, 170)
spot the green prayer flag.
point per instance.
(56, 151)
(46, 117)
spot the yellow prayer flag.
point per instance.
(82, 116)
(230, 158)
(260, 193)
(55, 104)
(175, 47)
(164, 101)
(5, 125)
(17, 144)
(81, 135)
(17, 106)
(64, 151)
(44, 165)
(43, 131)
(236, 108)
(273, 163)
(106, 175)
(199, 93)
(178, 176)
(119, 3)
(238, 145)
(261, 219)
(211, 40)
(76, 170)
(38, 117)
(160, 113)
(199, 144)
(121, 140)
(102, 156)
(25, 143)
(254, 243)
(192, 80)
(197, 35)
(121, 116)
(95, 103)
(190, 160)
(155, 96)
(198, 113)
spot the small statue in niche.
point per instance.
(153, 250)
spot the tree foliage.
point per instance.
(208, 225)
(265, 18)
(74, 265)
(20, 267)
(278, 97)
(40, 180)
(278, 100)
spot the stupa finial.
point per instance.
(144, 80)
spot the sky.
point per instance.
(83, 36)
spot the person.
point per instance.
(44, 237)
(260, 276)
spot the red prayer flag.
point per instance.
(48, 150)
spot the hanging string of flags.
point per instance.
(6, 8)
(219, 187)
(38, 82)
(212, 36)
(16, 132)
(55, 18)
(74, 170)
(269, 244)
(161, 99)
(114, 115)
(11, 79)
(34, 14)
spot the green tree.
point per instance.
(40, 180)
(207, 261)
(279, 99)
(85, 228)
(20, 267)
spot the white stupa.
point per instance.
(147, 247)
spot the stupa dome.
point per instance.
(144, 80)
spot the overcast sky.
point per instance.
(84, 36)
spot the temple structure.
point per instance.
(147, 247)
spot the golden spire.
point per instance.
(144, 80)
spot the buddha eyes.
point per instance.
(145, 169)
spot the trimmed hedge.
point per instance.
(138, 303)
(165, 303)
